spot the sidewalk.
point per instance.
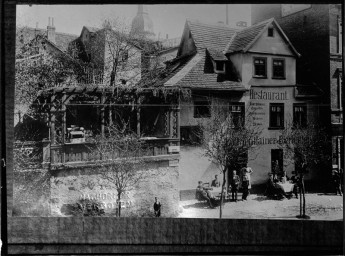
(318, 207)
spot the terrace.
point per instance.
(75, 114)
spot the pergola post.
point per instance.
(52, 128)
(138, 117)
(102, 114)
(63, 132)
(178, 121)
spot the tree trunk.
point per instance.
(300, 201)
(303, 193)
(300, 196)
(119, 204)
(221, 195)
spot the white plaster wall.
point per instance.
(194, 166)
(244, 64)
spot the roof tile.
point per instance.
(246, 36)
(210, 36)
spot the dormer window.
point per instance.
(219, 67)
(270, 32)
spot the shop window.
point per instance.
(300, 115)
(237, 113)
(276, 115)
(278, 69)
(202, 108)
(270, 32)
(260, 70)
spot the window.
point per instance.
(202, 108)
(300, 115)
(278, 69)
(340, 36)
(237, 113)
(277, 115)
(260, 67)
(191, 135)
(270, 32)
(220, 66)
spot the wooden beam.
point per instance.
(102, 113)
(63, 132)
(138, 117)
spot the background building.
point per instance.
(316, 32)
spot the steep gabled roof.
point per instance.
(210, 36)
(244, 39)
(193, 76)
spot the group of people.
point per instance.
(275, 190)
(243, 180)
(204, 193)
(240, 181)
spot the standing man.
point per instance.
(246, 182)
(235, 181)
(157, 208)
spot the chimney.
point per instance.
(167, 36)
(227, 15)
(51, 30)
(36, 29)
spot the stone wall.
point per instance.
(43, 192)
(69, 185)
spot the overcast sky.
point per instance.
(167, 19)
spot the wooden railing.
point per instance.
(82, 152)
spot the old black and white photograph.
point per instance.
(222, 111)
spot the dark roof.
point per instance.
(61, 39)
(245, 37)
(210, 36)
(163, 75)
(193, 76)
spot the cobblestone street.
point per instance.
(318, 207)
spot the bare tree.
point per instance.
(38, 67)
(122, 161)
(307, 146)
(227, 140)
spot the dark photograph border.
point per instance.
(111, 235)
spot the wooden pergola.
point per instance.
(55, 102)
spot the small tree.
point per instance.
(227, 140)
(122, 164)
(307, 146)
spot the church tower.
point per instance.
(142, 24)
